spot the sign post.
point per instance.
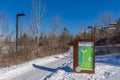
(84, 56)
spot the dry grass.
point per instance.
(26, 55)
(29, 49)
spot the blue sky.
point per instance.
(73, 14)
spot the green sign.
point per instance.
(84, 56)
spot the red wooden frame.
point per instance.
(75, 55)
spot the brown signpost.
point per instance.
(84, 56)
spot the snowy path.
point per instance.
(59, 67)
(41, 71)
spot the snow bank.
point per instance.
(103, 71)
(69, 53)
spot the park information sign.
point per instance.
(84, 56)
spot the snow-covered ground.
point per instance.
(59, 67)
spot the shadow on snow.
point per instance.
(52, 70)
(113, 60)
(65, 68)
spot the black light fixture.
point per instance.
(89, 26)
(21, 14)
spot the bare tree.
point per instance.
(53, 40)
(117, 31)
(37, 13)
(106, 19)
(3, 25)
(85, 33)
(64, 39)
(3, 32)
(32, 29)
(96, 31)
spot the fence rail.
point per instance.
(110, 48)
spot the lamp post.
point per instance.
(91, 30)
(17, 16)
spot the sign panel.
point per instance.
(84, 55)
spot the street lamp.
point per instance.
(91, 30)
(17, 16)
